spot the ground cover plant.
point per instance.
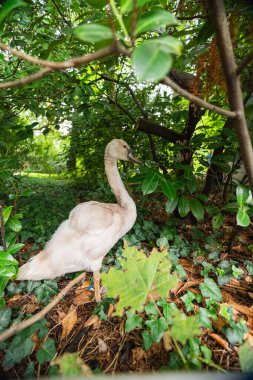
(168, 79)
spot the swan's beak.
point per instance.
(132, 158)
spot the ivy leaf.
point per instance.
(246, 357)
(242, 194)
(151, 308)
(44, 292)
(133, 321)
(237, 272)
(168, 188)
(210, 289)
(18, 350)
(71, 365)
(169, 309)
(93, 33)
(235, 332)
(242, 218)
(147, 340)
(204, 318)
(47, 352)
(187, 299)
(184, 328)
(140, 276)
(150, 183)
(217, 221)
(29, 371)
(5, 318)
(171, 205)
(197, 208)
(157, 327)
(183, 206)
(155, 18)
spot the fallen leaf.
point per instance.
(69, 322)
(85, 296)
(241, 308)
(93, 320)
(15, 301)
(138, 354)
(102, 346)
(31, 306)
(110, 310)
(167, 341)
(221, 341)
(250, 295)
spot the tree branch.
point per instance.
(17, 327)
(195, 99)
(51, 66)
(218, 15)
(152, 128)
(245, 62)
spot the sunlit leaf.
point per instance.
(155, 18)
(184, 328)
(8, 6)
(93, 32)
(242, 194)
(242, 218)
(127, 5)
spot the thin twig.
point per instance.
(245, 62)
(17, 327)
(2, 228)
(195, 99)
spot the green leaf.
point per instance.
(183, 206)
(18, 350)
(169, 309)
(197, 208)
(93, 32)
(147, 340)
(187, 299)
(6, 213)
(151, 309)
(71, 365)
(29, 372)
(7, 259)
(154, 19)
(242, 194)
(217, 221)
(8, 6)
(235, 332)
(210, 289)
(204, 318)
(139, 276)
(168, 188)
(5, 318)
(246, 357)
(133, 321)
(171, 205)
(97, 3)
(45, 291)
(237, 272)
(157, 328)
(150, 62)
(14, 248)
(150, 183)
(127, 5)
(184, 328)
(242, 218)
(15, 224)
(47, 352)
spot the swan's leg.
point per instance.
(96, 276)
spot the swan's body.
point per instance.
(93, 228)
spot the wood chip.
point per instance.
(102, 346)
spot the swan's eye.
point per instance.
(124, 146)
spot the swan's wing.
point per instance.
(93, 218)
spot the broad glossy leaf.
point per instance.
(6, 213)
(242, 218)
(150, 183)
(139, 276)
(47, 352)
(210, 289)
(167, 44)
(183, 206)
(217, 221)
(168, 188)
(171, 204)
(97, 3)
(197, 208)
(127, 5)
(242, 194)
(150, 62)
(8, 6)
(246, 357)
(155, 18)
(93, 32)
(7, 259)
(8, 270)
(15, 224)
(14, 248)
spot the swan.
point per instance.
(92, 229)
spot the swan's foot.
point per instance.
(96, 276)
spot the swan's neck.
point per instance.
(115, 181)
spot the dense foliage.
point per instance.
(57, 125)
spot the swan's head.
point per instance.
(120, 150)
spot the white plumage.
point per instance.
(93, 228)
